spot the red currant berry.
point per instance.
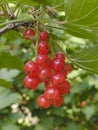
(44, 74)
(58, 102)
(83, 104)
(69, 68)
(58, 65)
(31, 83)
(52, 93)
(58, 79)
(43, 101)
(30, 67)
(29, 33)
(44, 35)
(64, 88)
(43, 48)
(60, 56)
(43, 60)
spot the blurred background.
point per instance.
(18, 107)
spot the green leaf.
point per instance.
(82, 14)
(6, 84)
(72, 126)
(80, 32)
(7, 98)
(89, 111)
(87, 58)
(9, 61)
(9, 126)
(8, 74)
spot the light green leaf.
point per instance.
(80, 32)
(9, 126)
(7, 98)
(9, 61)
(6, 84)
(82, 14)
(87, 58)
(89, 111)
(8, 74)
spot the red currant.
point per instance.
(43, 101)
(83, 104)
(30, 67)
(43, 48)
(43, 60)
(45, 74)
(44, 35)
(52, 93)
(57, 79)
(58, 65)
(31, 83)
(64, 88)
(29, 33)
(58, 102)
(60, 56)
(69, 68)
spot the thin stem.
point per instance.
(14, 21)
(54, 27)
(37, 37)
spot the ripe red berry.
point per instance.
(29, 33)
(31, 83)
(64, 88)
(57, 102)
(58, 65)
(69, 68)
(58, 79)
(52, 93)
(60, 56)
(43, 60)
(43, 101)
(83, 104)
(44, 35)
(30, 67)
(45, 73)
(43, 47)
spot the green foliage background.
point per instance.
(77, 37)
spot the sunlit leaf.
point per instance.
(87, 58)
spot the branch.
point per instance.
(14, 26)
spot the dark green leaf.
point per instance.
(82, 14)
(9, 61)
(87, 58)
(6, 84)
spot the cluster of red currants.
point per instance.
(52, 72)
